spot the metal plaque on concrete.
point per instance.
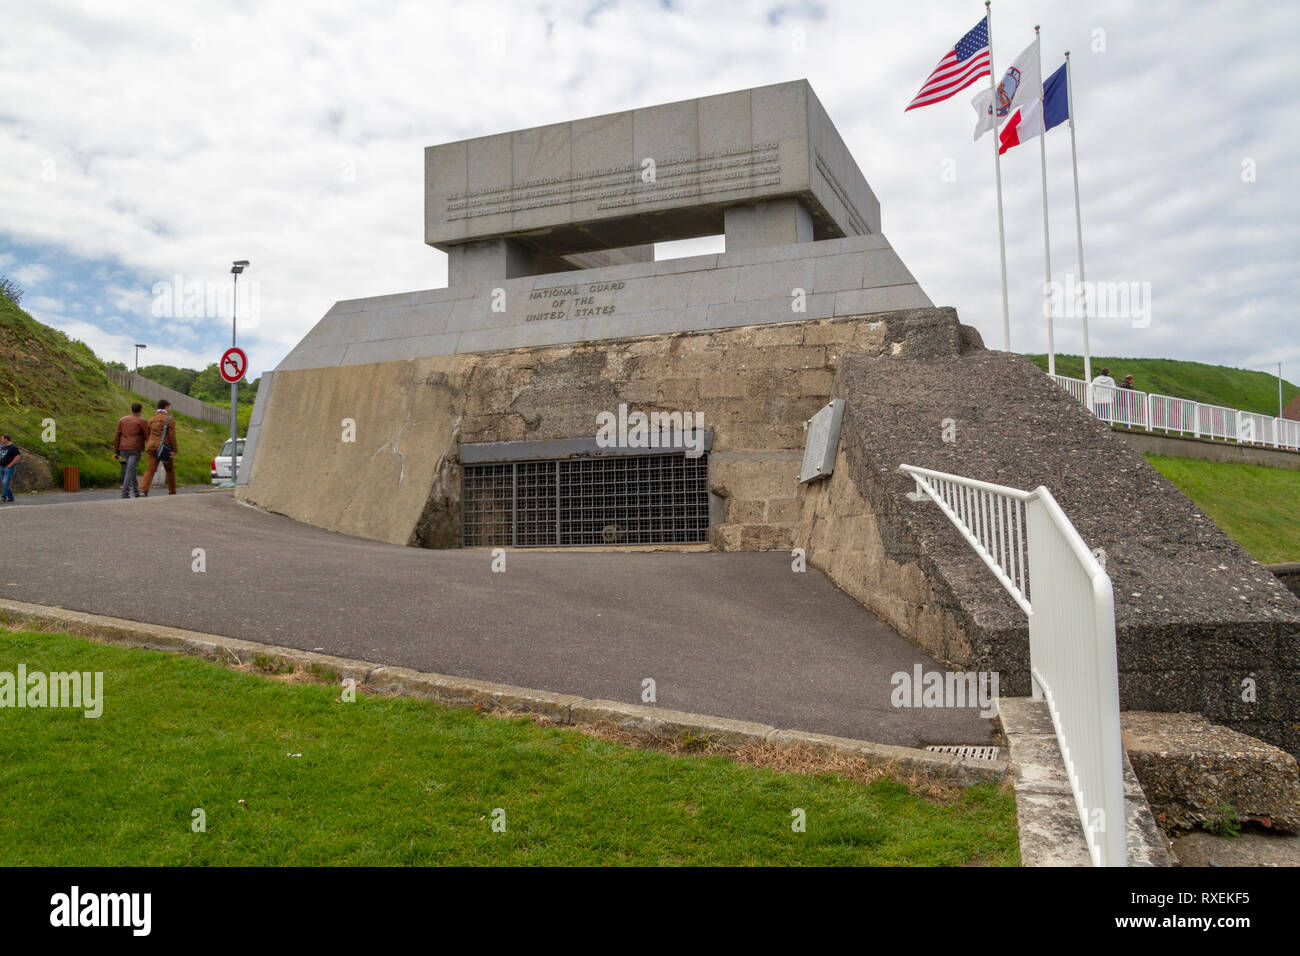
(822, 442)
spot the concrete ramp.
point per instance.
(1201, 626)
(732, 635)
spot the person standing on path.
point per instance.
(128, 446)
(9, 455)
(162, 433)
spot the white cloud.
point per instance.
(118, 347)
(43, 303)
(162, 138)
(32, 274)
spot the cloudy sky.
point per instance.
(148, 141)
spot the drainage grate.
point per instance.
(605, 500)
(967, 751)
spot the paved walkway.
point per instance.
(733, 635)
(92, 494)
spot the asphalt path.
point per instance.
(92, 494)
(736, 635)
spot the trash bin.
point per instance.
(72, 478)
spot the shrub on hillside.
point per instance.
(11, 290)
(180, 379)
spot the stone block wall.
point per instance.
(400, 480)
(842, 536)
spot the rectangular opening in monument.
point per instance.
(604, 500)
(685, 248)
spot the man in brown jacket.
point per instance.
(128, 446)
(162, 431)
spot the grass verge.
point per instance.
(1254, 504)
(289, 774)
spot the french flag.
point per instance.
(1038, 117)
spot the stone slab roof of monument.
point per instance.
(585, 185)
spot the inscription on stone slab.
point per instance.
(675, 178)
(585, 301)
(822, 442)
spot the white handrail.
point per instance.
(999, 543)
(1149, 410)
(1037, 555)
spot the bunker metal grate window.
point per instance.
(604, 500)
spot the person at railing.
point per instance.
(1127, 403)
(1103, 392)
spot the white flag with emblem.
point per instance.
(1020, 84)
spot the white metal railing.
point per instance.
(1138, 409)
(1076, 387)
(1037, 555)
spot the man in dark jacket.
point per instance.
(128, 446)
(162, 431)
(9, 455)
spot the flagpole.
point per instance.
(1047, 241)
(997, 171)
(1078, 231)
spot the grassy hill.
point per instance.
(1255, 505)
(1212, 384)
(44, 374)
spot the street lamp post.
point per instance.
(236, 268)
(1280, 406)
(138, 347)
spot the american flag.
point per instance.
(963, 65)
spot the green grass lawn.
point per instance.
(1251, 391)
(1259, 507)
(287, 773)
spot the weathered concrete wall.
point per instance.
(376, 486)
(1177, 446)
(400, 480)
(842, 535)
(1195, 615)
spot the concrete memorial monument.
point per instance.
(470, 415)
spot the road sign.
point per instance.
(234, 363)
